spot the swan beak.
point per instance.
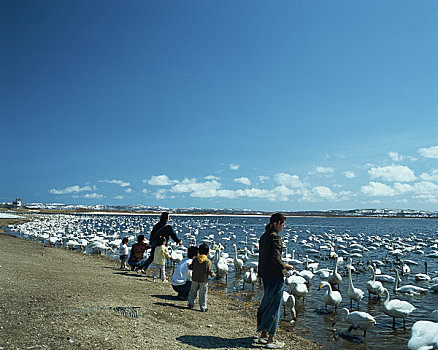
(380, 294)
(320, 286)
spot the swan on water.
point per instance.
(299, 290)
(335, 278)
(357, 319)
(238, 263)
(355, 294)
(423, 276)
(373, 286)
(331, 297)
(424, 334)
(396, 308)
(407, 289)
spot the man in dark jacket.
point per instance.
(161, 229)
(137, 251)
(272, 270)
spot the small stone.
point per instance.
(209, 325)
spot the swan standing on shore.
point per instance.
(331, 297)
(250, 277)
(357, 319)
(221, 264)
(396, 308)
(289, 301)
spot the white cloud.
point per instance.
(318, 194)
(71, 189)
(291, 181)
(396, 157)
(263, 179)
(212, 177)
(402, 189)
(192, 185)
(324, 170)
(160, 180)
(145, 190)
(93, 195)
(117, 182)
(429, 152)
(377, 189)
(393, 173)
(349, 174)
(118, 197)
(128, 190)
(234, 166)
(160, 194)
(243, 180)
(433, 176)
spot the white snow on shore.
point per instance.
(9, 216)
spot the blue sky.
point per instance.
(285, 105)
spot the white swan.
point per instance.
(373, 286)
(355, 294)
(423, 276)
(335, 278)
(396, 308)
(250, 277)
(357, 319)
(424, 335)
(307, 275)
(289, 301)
(331, 297)
(294, 278)
(407, 289)
(405, 269)
(221, 264)
(299, 290)
(238, 263)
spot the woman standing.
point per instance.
(272, 270)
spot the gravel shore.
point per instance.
(53, 298)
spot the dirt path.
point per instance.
(51, 298)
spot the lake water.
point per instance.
(415, 238)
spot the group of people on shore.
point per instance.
(192, 273)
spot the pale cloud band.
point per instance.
(71, 189)
(393, 173)
(429, 152)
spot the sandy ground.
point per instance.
(51, 298)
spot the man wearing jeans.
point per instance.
(272, 270)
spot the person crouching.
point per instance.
(181, 282)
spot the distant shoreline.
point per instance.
(204, 213)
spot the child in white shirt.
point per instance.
(123, 253)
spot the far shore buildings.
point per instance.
(18, 203)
